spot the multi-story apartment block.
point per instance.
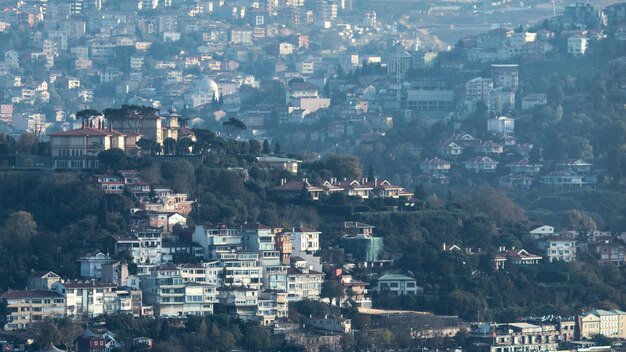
(238, 302)
(561, 249)
(505, 75)
(305, 239)
(273, 305)
(302, 282)
(145, 246)
(24, 308)
(89, 298)
(173, 295)
(218, 240)
(242, 269)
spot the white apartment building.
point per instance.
(89, 298)
(561, 249)
(577, 45)
(501, 125)
(218, 240)
(173, 295)
(305, 240)
(242, 269)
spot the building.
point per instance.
(610, 323)
(438, 165)
(42, 280)
(174, 295)
(91, 264)
(303, 283)
(305, 239)
(501, 125)
(273, 162)
(477, 90)
(218, 240)
(238, 302)
(25, 308)
(519, 336)
(78, 149)
(610, 253)
(577, 45)
(505, 75)
(481, 164)
(398, 284)
(561, 249)
(88, 298)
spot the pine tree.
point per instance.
(266, 147)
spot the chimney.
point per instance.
(283, 181)
(375, 181)
(444, 246)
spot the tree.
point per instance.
(333, 290)
(164, 334)
(47, 332)
(576, 220)
(87, 114)
(169, 146)
(348, 167)
(114, 159)
(277, 149)
(147, 146)
(26, 143)
(255, 147)
(184, 146)
(131, 117)
(20, 226)
(266, 147)
(497, 206)
(233, 125)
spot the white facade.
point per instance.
(561, 250)
(501, 125)
(88, 298)
(577, 45)
(305, 240)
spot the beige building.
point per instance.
(25, 308)
(79, 149)
(610, 323)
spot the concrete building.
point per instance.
(610, 323)
(397, 285)
(25, 308)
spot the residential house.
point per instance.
(42, 280)
(540, 232)
(295, 189)
(481, 164)
(288, 164)
(524, 167)
(436, 165)
(450, 149)
(384, 189)
(398, 284)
